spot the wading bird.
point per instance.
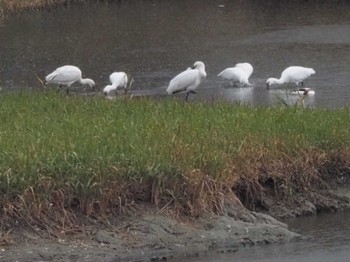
(117, 79)
(292, 74)
(238, 75)
(66, 76)
(188, 80)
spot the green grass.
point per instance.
(88, 145)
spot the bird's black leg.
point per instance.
(178, 91)
(190, 92)
(187, 94)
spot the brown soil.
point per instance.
(146, 236)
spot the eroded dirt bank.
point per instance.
(146, 236)
(151, 237)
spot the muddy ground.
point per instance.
(146, 236)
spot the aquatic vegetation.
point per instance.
(65, 154)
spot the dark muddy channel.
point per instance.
(155, 40)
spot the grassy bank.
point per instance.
(62, 156)
(13, 6)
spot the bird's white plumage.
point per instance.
(292, 74)
(118, 80)
(248, 68)
(188, 80)
(68, 75)
(238, 75)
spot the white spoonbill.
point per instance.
(117, 79)
(66, 76)
(238, 75)
(292, 74)
(188, 80)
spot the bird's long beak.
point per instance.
(267, 86)
(42, 82)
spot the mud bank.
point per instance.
(151, 238)
(146, 236)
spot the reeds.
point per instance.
(61, 156)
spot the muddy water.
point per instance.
(154, 40)
(327, 238)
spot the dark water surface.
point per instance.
(327, 240)
(155, 40)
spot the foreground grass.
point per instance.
(62, 155)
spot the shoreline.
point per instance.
(146, 235)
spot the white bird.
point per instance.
(66, 76)
(303, 92)
(238, 75)
(292, 74)
(188, 80)
(117, 79)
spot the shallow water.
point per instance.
(155, 40)
(327, 238)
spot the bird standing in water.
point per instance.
(66, 76)
(117, 79)
(238, 75)
(188, 80)
(292, 74)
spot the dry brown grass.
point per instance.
(191, 194)
(285, 175)
(19, 5)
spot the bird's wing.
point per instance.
(119, 79)
(296, 73)
(231, 74)
(246, 67)
(226, 73)
(183, 80)
(64, 74)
